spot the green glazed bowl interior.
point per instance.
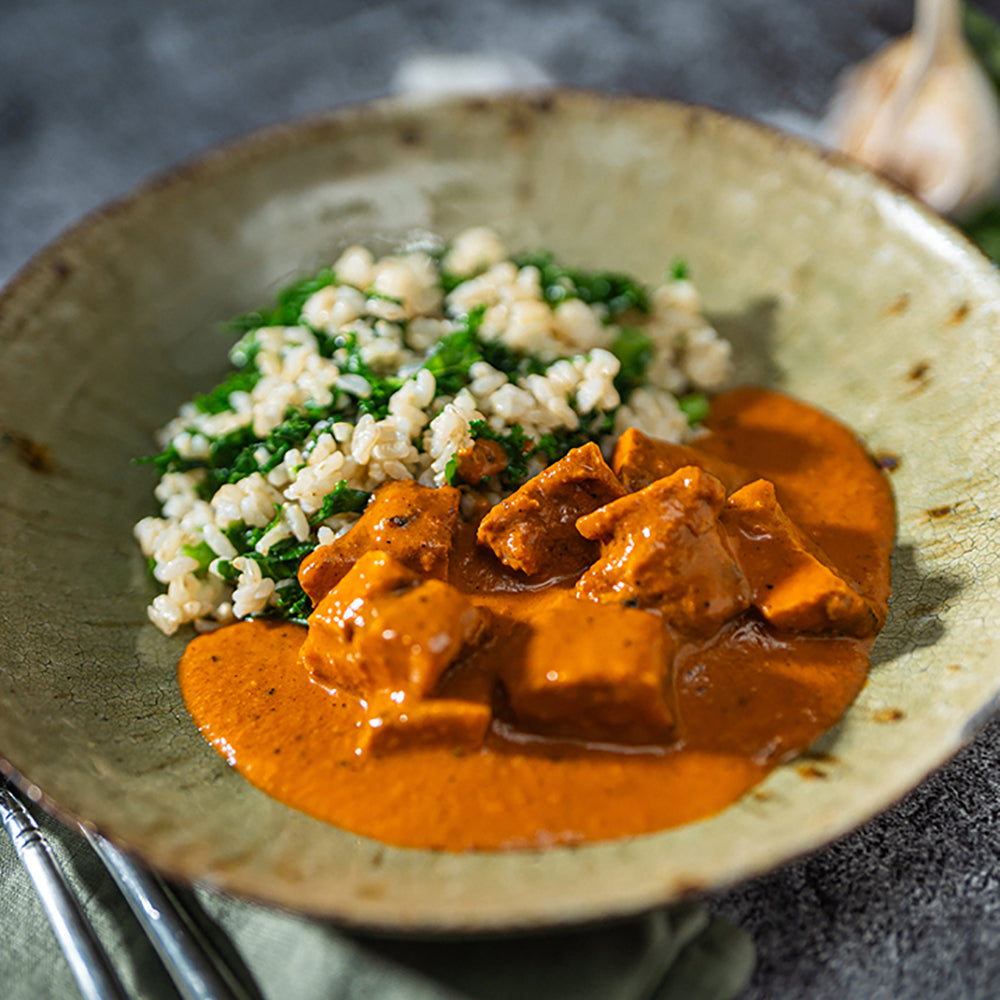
(832, 286)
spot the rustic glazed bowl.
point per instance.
(832, 286)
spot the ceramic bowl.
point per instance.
(831, 284)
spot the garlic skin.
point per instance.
(923, 112)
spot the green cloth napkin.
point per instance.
(680, 953)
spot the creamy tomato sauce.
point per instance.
(744, 698)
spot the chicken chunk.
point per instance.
(386, 636)
(791, 580)
(435, 722)
(594, 672)
(663, 548)
(415, 524)
(484, 459)
(640, 460)
(534, 529)
(413, 637)
(382, 628)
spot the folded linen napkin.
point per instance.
(679, 953)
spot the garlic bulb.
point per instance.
(923, 112)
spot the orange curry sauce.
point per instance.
(744, 698)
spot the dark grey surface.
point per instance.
(96, 95)
(908, 906)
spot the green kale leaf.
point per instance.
(679, 270)
(342, 500)
(217, 401)
(618, 292)
(634, 351)
(288, 303)
(203, 552)
(695, 406)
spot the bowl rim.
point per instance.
(259, 143)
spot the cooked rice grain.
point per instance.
(381, 320)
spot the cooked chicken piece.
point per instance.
(791, 580)
(413, 637)
(327, 651)
(663, 548)
(382, 628)
(436, 722)
(594, 672)
(415, 524)
(484, 459)
(640, 460)
(534, 530)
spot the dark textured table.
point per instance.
(96, 95)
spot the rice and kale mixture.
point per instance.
(391, 368)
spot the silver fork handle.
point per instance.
(194, 973)
(87, 960)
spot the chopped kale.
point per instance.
(381, 388)
(458, 352)
(230, 459)
(679, 270)
(451, 362)
(237, 454)
(283, 558)
(244, 539)
(233, 456)
(382, 297)
(342, 500)
(376, 405)
(618, 292)
(217, 401)
(169, 460)
(449, 281)
(549, 448)
(244, 352)
(554, 445)
(281, 564)
(455, 355)
(290, 433)
(695, 406)
(512, 363)
(634, 351)
(203, 552)
(327, 343)
(291, 602)
(288, 303)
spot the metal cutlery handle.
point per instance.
(195, 974)
(87, 960)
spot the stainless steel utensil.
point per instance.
(196, 972)
(87, 960)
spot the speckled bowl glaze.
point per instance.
(831, 284)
